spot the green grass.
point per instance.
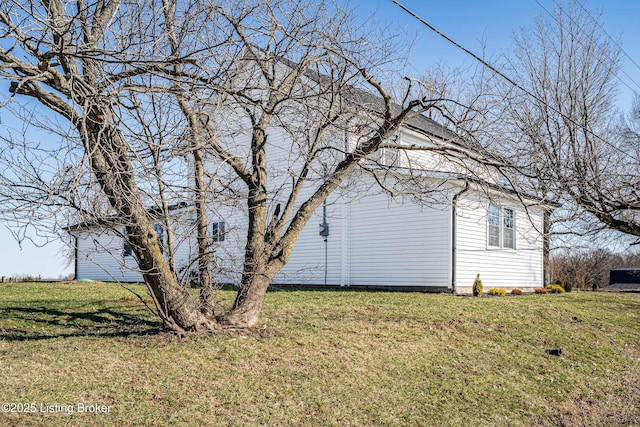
(324, 358)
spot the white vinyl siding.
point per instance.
(101, 256)
(374, 240)
(104, 254)
(519, 267)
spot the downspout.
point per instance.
(75, 257)
(454, 214)
(324, 232)
(546, 230)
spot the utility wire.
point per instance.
(555, 18)
(509, 79)
(612, 39)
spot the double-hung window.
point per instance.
(501, 227)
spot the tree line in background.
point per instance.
(589, 269)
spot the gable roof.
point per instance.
(430, 128)
(375, 103)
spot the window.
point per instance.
(218, 232)
(501, 227)
(126, 247)
(159, 229)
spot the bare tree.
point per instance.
(560, 125)
(589, 269)
(152, 89)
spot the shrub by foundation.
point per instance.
(540, 291)
(555, 289)
(516, 291)
(477, 286)
(497, 292)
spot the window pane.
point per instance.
(494, 235)
(493, 220)
(508, 235)
(509, 241)
(494, 215)
(508, 218)
(159, 229)
(126, 248)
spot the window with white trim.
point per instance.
(501, 230)
(218, 231)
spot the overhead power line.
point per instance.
(509, 79)
(611, 38)
(562, 11)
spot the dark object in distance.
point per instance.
(620, 276)
(554, 351)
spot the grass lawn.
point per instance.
(321, 358)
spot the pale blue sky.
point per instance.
(466, 21)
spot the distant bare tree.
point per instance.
(588, 267)
(165, 101)
(562, 133)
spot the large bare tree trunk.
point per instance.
(207, 302)
(248, 303)
(204, 257)
(112, 167)
(176, 307)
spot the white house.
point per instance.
(364, 237)
(448, 222)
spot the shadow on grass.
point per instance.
(41, 323)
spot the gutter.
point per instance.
(454, 215)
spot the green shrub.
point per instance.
(516, 291)
(595, 285)
(497, 292)
(477, 286)
(540, 291)
(555, 289)
(566, 285)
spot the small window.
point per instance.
(159, 229)
(218, 231)
(501, 227)
(494, 225)
(126, 247)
